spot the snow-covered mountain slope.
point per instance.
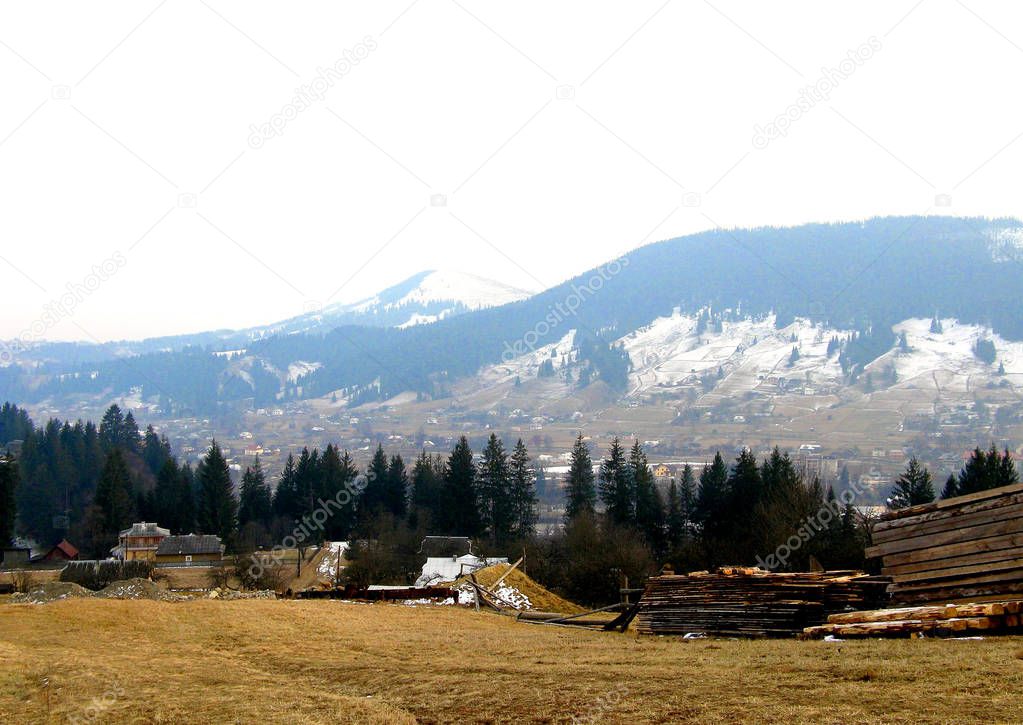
(734, 359)
(448, 287)
(421, 299)
(736, 356)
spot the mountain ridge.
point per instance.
(862, 277)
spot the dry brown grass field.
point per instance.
(320, 661)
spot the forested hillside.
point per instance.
(854, 276)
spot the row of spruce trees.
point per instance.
(92, 481)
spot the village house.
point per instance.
(15, 557)
(662, 471)
(190, 549)
(64, 551)
(139, 542)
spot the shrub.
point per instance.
(23, 581)
(96, 575)
(259, 573)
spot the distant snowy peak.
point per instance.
(462, 288)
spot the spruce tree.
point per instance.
(913, 487)
(711, 501)
(114, 495)
(217, 505)
(374, 498)
(675, 522)
(460, 513)
(8, 501)
(581, 494)
(687, 500)
(617, 486)
(426, 490)
(165, 494)
(648, 507)
(523, 493)
(156, 450)
(336, 475)
(307, 482)
(285, 496)
(111, 427)
(397, 487)
(494, 479)
(129, 436)
(256, 504)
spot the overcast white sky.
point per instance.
(560, 135)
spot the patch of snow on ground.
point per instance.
(328, 564)
(418, 319)
(527, 365)
(300, 368)
(514, 597)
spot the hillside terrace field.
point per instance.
(324, 661)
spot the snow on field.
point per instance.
(510, 595)
(514, 597)
(752, 355)
(300, 368)
(749, 353)
(527, 365)
(418, 319)
(328, 564)
(230, 353)
(946, 359)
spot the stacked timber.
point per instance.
(752, 602)
(959, 548)
(933, 621)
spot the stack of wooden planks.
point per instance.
(959, 548)
(934, 621)
(751, 602)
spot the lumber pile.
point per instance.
(960, 548)
(932, 621)
(751, 602)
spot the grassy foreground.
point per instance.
(319, 661)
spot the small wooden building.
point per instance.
(64, 551)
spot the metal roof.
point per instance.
(190, 544)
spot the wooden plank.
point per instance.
(962, 548)
(942, 514)
(959, 572)
(1014, 526)
(951, 502)
(894, 615)
(988, 591)
(1012, 575)
(948, 523)
(514, 566)
(983, 557)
